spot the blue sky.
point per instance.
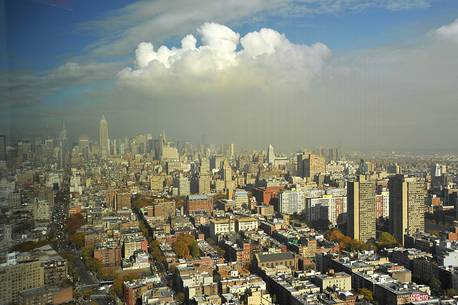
(63, 60)
(42, 34)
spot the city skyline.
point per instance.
(241, 152)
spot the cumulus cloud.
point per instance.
(161, 19)
(449, 31)
(225, 61)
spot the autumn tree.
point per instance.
(186, 246)
(73, 223)
(141, 202)
(77, 239)
(122, 277)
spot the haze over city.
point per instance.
(363, 75)
(228, 152)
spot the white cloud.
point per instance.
(21, 88)
(159, 20)
(449, 31)
(224, 61)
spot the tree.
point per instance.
(387, 240)
(451, 292)
(141, 203)
(77, 240)
(335, 234)
(179, 297)
(29, 245)
(144, 230)
(156, 252)
(436, 286)
(73, 223)
(186, 246)
(122, 277)
(194, 249)
(366, 293)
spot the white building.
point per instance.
(292, 201)
(247, 224)
(221, 226)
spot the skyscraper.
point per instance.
(314, 165)
(436, 170)
(83, 143)
(407, 205)
(103, 137)
(270, 154)
(226, 171)
(2, 148)
(361, 223)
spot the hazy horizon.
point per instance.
(358, 75)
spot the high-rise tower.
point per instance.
(103, 137)
(361, 223)
(270, 154)
(2, 148)
(407, 205)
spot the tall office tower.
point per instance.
(407, 205)
(83, 143)
(435, 170)
(2, 148)
(333, 154)
(300, 164)
(443, 169)
(115, 147)
(204, 184)
(228, 150)
(314, 165)
(204, 166)
(361, 223)
(232, 150)
(63, 134)
(216, 161)
(226, 171)
(103, 138)
(229, 184)
(183, 185)
(270, 154)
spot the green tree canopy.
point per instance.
(436, 286)
(451, 292)
(386, 239)
(368, 295)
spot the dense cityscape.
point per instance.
(228, 152)
(146, 220)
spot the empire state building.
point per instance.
(103, 137)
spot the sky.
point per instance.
(356, 74)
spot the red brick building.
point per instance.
(108, 254)
(267, 194)
(198, 203)
(134, 290)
